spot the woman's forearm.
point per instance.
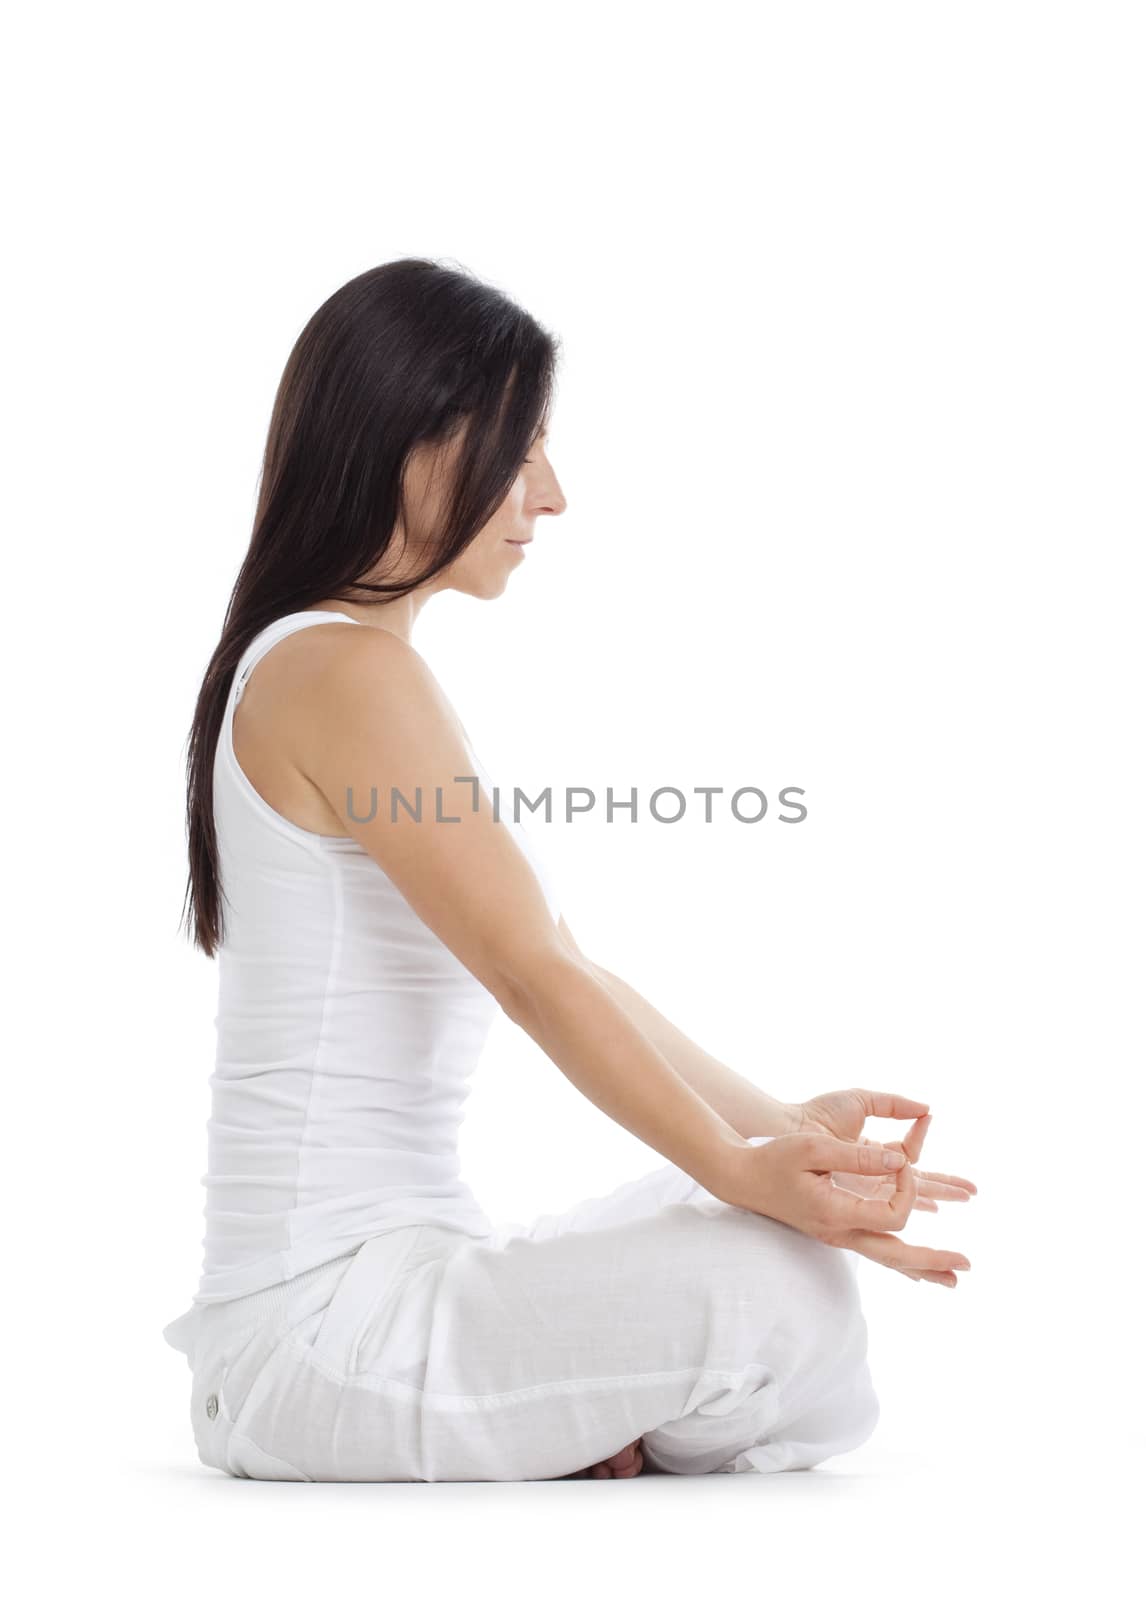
(585, 1030)
(741, 1104)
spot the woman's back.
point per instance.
(347, 1034)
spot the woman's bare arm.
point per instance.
(742, 1105)
(372, 716)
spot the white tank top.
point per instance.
(347, 1034)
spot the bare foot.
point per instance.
(627, 1463)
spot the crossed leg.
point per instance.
(647, 1196)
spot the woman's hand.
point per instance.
(792, 1178)
(843, 1114)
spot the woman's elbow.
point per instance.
(532, 981)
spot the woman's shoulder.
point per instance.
(333, 655)
(321, 689)
(339, 674)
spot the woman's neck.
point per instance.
(395, 616)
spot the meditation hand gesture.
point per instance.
(843, 1115)
(826, 1179)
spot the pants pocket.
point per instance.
(377, 1269)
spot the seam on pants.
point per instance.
(381, 1384)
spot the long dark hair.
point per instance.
(408, 353)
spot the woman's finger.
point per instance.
(948, 1279)
(858, 1183)
(844, 1212)
(912, 1142)
(878, 1103)
(863, 1184)
(820, 1152)
(939, 1191)
(848, 1211)
(891, 1251)
(954, 1183)
(874, 1189)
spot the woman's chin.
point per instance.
(484, 586)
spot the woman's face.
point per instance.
(484, 567)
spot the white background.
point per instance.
(850, 423)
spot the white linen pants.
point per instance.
(726, 1341)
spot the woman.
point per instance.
(359, 1316)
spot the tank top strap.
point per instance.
(270, 635)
